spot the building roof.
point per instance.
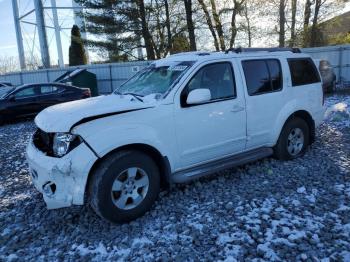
(337, 25)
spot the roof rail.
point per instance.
(267, 49)
(199, 53)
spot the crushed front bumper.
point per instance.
(62, 181)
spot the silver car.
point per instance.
(329, 78)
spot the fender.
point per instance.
(108, 133)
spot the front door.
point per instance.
(25, 102)
(216, 128)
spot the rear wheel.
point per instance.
(293, 140)
(124, 186)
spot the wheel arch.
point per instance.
(306, 116)
(161, 161)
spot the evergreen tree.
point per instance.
(77, 54)
(115, 26)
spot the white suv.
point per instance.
(181, 118)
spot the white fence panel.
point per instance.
(338, 56)
(35, 77)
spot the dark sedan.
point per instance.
(28, 100)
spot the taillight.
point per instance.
(323, 91)
(86, 93)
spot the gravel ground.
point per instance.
(265, 211)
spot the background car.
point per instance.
(30, 99)
(5, 84)
(329, 78)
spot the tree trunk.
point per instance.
(292, 29)
(145, 31)
(313, 39)
(249, 29)
(307, 15)
(190, 24)
(282, 22)
(218, 25)
(210, 24)
(167, 22)
(236, 9)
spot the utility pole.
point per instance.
(40, 21)
(18, 35)
(57, 34)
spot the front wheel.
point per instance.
(293, 140)
(124, 186)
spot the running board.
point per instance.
(221, 164)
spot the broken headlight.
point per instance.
(64, 142)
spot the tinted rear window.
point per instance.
(262, 76)
(303, 71)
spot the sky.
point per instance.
(8, 44)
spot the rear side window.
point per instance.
(262, 76)
(303, 71)
(49, 89)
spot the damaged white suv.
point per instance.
(181, 118)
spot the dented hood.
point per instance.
(62, 117)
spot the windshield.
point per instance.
(155, 79)
(5, 90)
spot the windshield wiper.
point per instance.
(137, 96)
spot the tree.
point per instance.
(145, 31)
(180, 44)
(247, 25)
(318, 4)
(167, 22)
(8, 64)
(239, 6)
(77, 54)
(115, 27)
(218, 25)
(209, 23)
(190, 24)
(293, 23)
(282, 22)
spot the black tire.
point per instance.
(281, 149)
(100, 188)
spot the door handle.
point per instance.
(237, 109)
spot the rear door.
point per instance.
(265, 97)
(50, 95)
(70, 93)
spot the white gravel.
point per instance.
(265, 211)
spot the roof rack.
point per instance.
(271, 49)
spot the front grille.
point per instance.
(43, 141)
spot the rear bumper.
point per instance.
(319, 116)
(62, 181)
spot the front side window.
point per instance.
(30, 91)
(262, 76)
(218, 78)
(303, 71)
(5, 90)
(158, 78)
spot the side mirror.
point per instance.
(11, 98)
(198, 96)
